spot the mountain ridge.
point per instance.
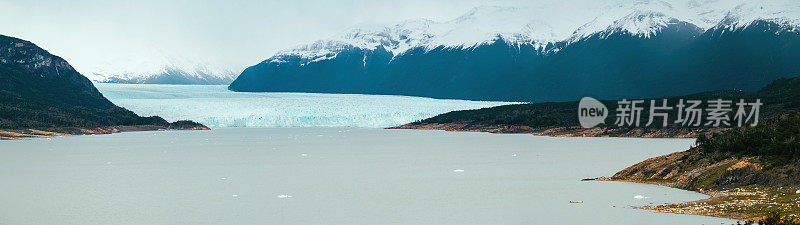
(658, 52)
(518, 26)
(163, 70)
(679, 60)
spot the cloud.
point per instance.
(230, 34)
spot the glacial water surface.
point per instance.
(330, 176)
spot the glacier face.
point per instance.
(215, 106)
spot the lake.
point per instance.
(304, 158)
(336, 175)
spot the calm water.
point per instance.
(329, 176)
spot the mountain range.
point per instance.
(612, 50)
(160, 69)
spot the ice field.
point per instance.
(215, 106)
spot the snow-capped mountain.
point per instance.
(535, 47)
(159, 69)
(544, 26)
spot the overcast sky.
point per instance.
(231, 33)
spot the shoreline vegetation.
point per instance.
(560, 119)
(21, 134)
(567, 131)
(751, 173)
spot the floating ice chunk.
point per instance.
(284, 196)
(108, 163)
(640, 197)
(458, 171)
(235, 196)
(514, 155)
(223, 178)
(304, 155)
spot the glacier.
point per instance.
(215, 106)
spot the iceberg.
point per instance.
(215, 106)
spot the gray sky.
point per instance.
(231, 33)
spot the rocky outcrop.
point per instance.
(743, 188)
(30, 72)
(692, 170)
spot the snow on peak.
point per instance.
(529, 25)
(550, 22)
(481, 25)
(783, 13)
(396, 38)
(642, 23)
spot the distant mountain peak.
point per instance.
(786, 14)
(160, 69)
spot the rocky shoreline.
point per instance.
(750, 203)
(740, 187)
(21, 134)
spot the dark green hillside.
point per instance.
(22, 113)
(39, 90)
